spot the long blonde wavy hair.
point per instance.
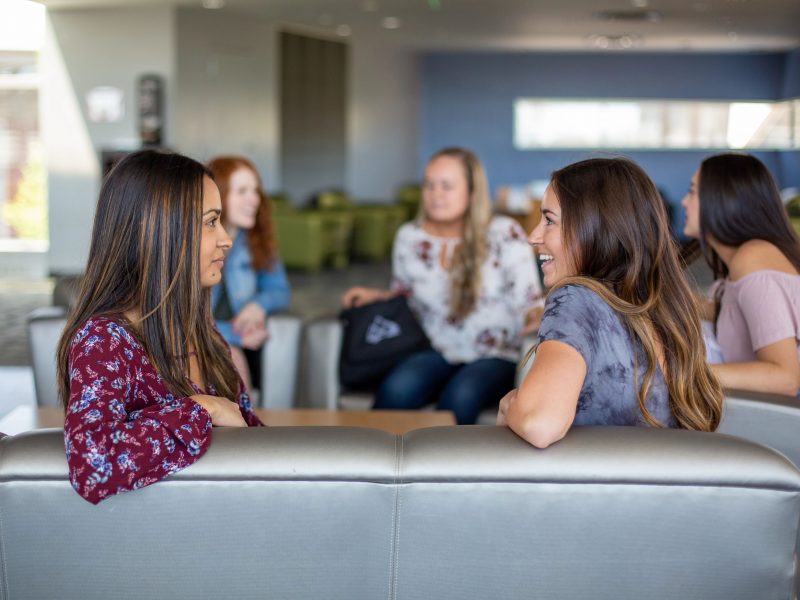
(469, 256)
(615, 228)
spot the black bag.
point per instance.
(377, 336)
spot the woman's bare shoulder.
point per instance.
(759, 255)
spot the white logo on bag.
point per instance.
(382, 329)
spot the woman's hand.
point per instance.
(224, 413)
(357, 296)
(254, 338)
(251, 326)
(505, 405)
(251, 317)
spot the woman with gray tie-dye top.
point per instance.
(735, 211)
(620, 341)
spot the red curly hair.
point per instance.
(261, 238)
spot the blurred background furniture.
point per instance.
(396, 421)
(445, 512)
(409, 196)
(310, 239)
(319, 371)
(374, 224)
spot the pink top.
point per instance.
(757, 310)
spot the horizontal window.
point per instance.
(655, 124)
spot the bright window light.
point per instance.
(654, 124)
(744, 120)
(23, 181)
(21, 25)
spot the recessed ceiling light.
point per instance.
(343, 30)
(622, 42)
(391, 23)
(213, 4)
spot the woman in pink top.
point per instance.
(734, 209)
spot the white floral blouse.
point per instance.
(510, 289)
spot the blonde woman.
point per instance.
(471, 280)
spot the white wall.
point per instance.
(382, 119)
(221, 75)
(85, 48)
(227, 89)
(228, 74)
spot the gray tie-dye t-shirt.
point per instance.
(577, 316)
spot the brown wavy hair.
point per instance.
(144, 256)
(617, 232)
(261, 239)
(465, 273)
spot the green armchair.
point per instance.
(409, 197)
(310, 239)
(374, 225)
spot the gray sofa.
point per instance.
(459, 512)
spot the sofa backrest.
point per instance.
(459, 512)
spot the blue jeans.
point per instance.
(465, 389)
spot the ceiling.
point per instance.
(601, 25)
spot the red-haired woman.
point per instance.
(254, 282)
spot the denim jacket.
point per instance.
(270, 289)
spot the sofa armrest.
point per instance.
(322, 345)
(45, 326)
(280, 360)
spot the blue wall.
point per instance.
(468, 98)
(790, 161)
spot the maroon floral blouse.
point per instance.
(124, 429)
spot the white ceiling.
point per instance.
(726, 25)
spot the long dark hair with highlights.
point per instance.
(144, 257)
(615, 228)
(739, 202)
(261, 237)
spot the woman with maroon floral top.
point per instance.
(471, 280)
(142, 373)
